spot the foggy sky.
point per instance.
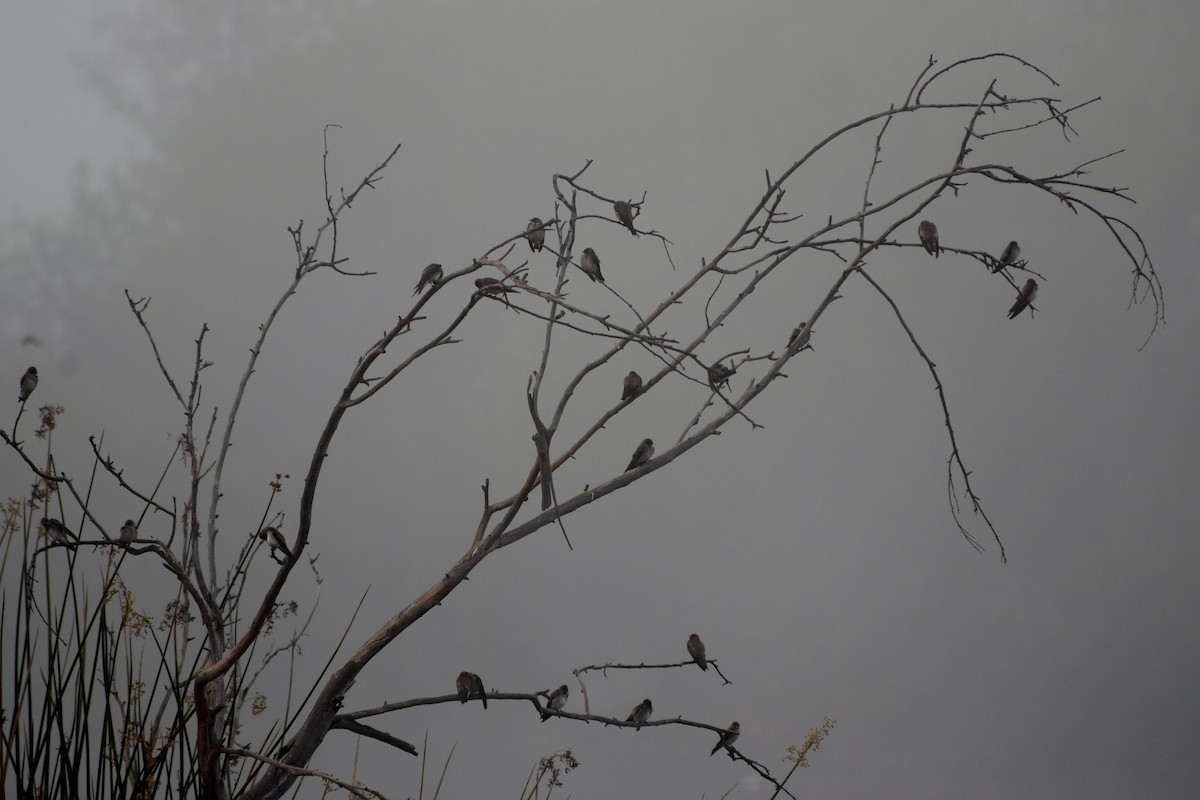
(816, 558)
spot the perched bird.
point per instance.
(536, 234)
(28, 383)
(696, 651)
(719, 375)
(590, 264)
(1027, 295)
(727, 738)
(625, 214)
(633, 385)
(556, 700)
(641, 455)
(491, 286)
(129, 531)
(431, 276)
(1010, 255)
(641, 712)
(274, 538)
(470, 685)
(927, 232)
(799, 329)
(58, 533)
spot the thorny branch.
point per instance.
(499, 526)
(765, 240)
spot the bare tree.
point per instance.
(707, 297)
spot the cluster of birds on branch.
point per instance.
(469, 686)
(535, 233)
(927, 232)
(58, 533)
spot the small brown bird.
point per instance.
(695, 649)
(129, 531)
(727, 738)
(796, 332)
(491, 286)
(927, 233)
(1028, 295)
(643, 453)
(274, 538)
(1009, 257)
(470, 685)
(556, 700)
(535, 234)
(28, 383)
(431, 276)
(590, 264)
(633, 385)
(625, 214)
(641, 713)
(719, 375)
(57, 532)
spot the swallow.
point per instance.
(431, 276)
(696, 651)
(274, 538)
(556, 700)
(1010, 255)
(57, 532)
(719, 375)
(28, 383)
(536, 234)
(727, 738)
(625, 214)
(1027, 296)
(470, 685)
(590, 264)
(491, 286)
(641, 712)
(641, 455)
(927, 233)
(129, 531)
(633, 385)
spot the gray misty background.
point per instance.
(165, 147)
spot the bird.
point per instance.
(590, 264)
(491, 286)
(727, 738)
(129, 531)
(695, 649)
(1010, 255)
(641, 712)
(58, 533)
(556, 700)
(536, 234)
(927, 232)
(28, 383)
(641, 455)
(719, 375)
(275, 539)
(1027, 295)
(633, 385)
(625, 214)
(431, 276)
(799, 329)
(470, 685)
